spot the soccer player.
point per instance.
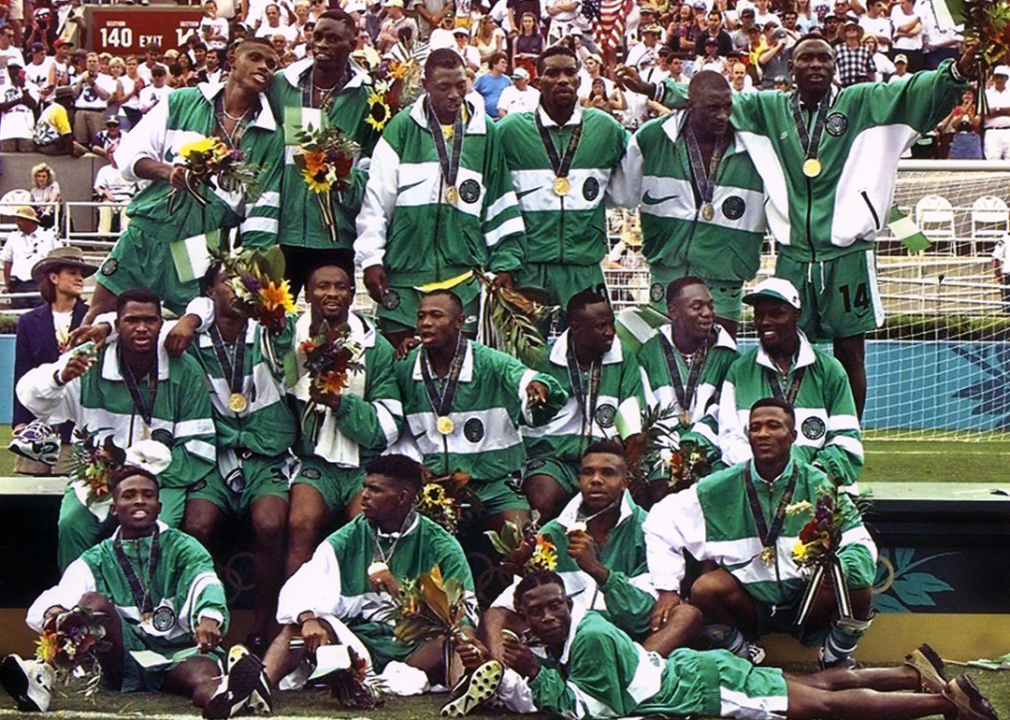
(439, 203)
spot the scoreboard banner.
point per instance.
(126, 31)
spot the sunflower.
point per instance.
(802, 553)
(378, 111)
(277, 296)
(333, 382)
(198, 148)
(433, 494)
(47, 646)
(400, 70)
(545, 556)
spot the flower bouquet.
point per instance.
(523, 549)
(448, 501)
(512, 321)
(261, 292)
(354, 687)
(325, 158)
(68, 644)
(396, 83)
(816, 550)
(429, 607)
(210, 162)
(330, 356)
(92, 464)
(987, 21)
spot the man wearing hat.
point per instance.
(42, 334)
(997, 120)
(518, 97)
(37, 69)
(24, 247)
(115, 192)
(643, 54)
(53, 131)
(18, 102)
(325, 90)
(853, 60)
(714, 29)
(463, 48)
(107, 138)
(786, 365)
(395, 21)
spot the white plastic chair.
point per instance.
(990, 220)
(935, 217)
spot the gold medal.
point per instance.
(377, 567)
(812, 167)
(577, 526)
(445, 425)
(562, 186)
(707, 211)
(767, 556)
(237, 402)
(685, 417)
(451, 194)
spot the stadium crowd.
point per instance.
(643, 587)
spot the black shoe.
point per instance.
(29, 682)
(256, 644)
(243, 678)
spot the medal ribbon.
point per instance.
(386, 557)
(810, 142)
(560, 166)
(441, 403)
(233, 369)
(704, 183)
(307, 85)
(139, 403)
(232, 139)
(768, 535)
(794, 387)
(575, 379)
(684, 397)
(449, 164)
(141, 596)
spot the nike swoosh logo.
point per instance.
(649, 200)
(524, 193)
(405, 188)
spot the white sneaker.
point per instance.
(29, 682)
(482, 686)
(245, 676)
(36, 441)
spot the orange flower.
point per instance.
(307, 346)
(47, 646)
(333, 382)
(275, 296)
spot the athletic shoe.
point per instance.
(971, 704)
(752, 652)
(36, 441)
(846, 663)
(482, 686)
(29, 682)
(244, 676)
(932, 672)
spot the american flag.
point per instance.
(608, 19)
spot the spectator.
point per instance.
(93, 89)
(832, 24)
(18, 102)
(214, 72)
(877, 24)
(882, 65)
(303, 20)
(565, 16)
(714, 29)
(45, 194)
(60, 70)
(906, 18)
(938, 44)
(132, 84)
(39, 34)
(395, 20)
(441, 36)
(793, 33)
(710, 59)
(959, 138)
(117, 71)
(853, 60)
(272, 24)
(69, 21)
(37, 69)
(53, 132)
(739, 80)
(901, 73)
(591, 70)
(687, 31)
(431, 14)
(997, 119)
(764, 16)
(24, 247)
(518, 97)
(156, 92)
(741, 36)
(107, 138)
(599, 98)
(1001, 265)
(470, 54)
(115, 192)
(153, 55)
(805, 20)
(8, 49)
(213, 29)
(643, 55)
(489, 40)
(491, 84)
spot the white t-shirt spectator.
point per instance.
(39, 74)
(18, 123)
(112, 179)
(220, 26)
(23, 251)
(998, 101)
(89, 99)
(762, 19)
(878, 27)
(586, 85)
(899, 18)
(288, 31)
(151, 96)
(513, 100)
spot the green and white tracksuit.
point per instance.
(659, 388)
(827, 428)
(713, 521)
(676, 239)
(335, 445)
(185, 591)
(603, 673)
(614, 411)
(301, 218)
(489, 404)
(628, 595)
(255, 441)
(333, 584)
(100, 401)
(408, 225)
(566, 235)
(166, 250)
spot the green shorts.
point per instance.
(562, 281)
(498, 496)
(338, 486)
(565, 474)
(780, 620)
(726, 294)
(839, 297)
(142, 260)
(399, 313)
(263, 476)
(138, 678)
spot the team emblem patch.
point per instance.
(535, 465)
(311, 473)
(469, 191)
(836, 124)
(473, 430)
(656, 292)
(164, 619)
(163, 436)
(391, 300)
(605, 415)
(733, 207)
(813, 428)
(109, 267)
(591, 188)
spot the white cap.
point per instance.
(520, 73)
(775, 289)
(1001, 70)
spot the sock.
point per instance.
(843, 638)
